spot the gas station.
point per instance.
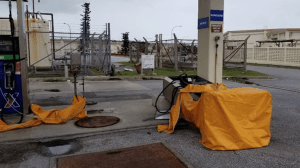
(225, 117)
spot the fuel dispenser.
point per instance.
(10, 78)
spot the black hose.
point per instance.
(183, 83)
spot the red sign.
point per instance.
(216, 28)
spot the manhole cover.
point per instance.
(153, 155)
(97, 121)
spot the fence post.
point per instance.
(138, 48)
(92, 57)
(160, 54)
(193, 51)
(157, 51)
(146, 46)
(245, 55)
(100, 51)
(130, 52)
(175, 53)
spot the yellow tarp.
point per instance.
(229, 119)
(54, 116)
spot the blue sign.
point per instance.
(216, 15)
(203, 23)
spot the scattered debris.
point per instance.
(127, 69)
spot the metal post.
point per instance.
(160, 54)
(146, 46)
(33, 9)
(23, 55)
(157, 51)
(28, 41)
(130, 52)
(175, 52)
(138, 48)
(84, 53)
(92, 60)
(100, 51)
(193, 51)
(75, 87)
(82, 86)
(245, 55)
(109, 48)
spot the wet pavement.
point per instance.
(124, 100)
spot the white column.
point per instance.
(207, 53)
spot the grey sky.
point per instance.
(145, 18)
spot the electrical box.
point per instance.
(75, 63)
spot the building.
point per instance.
(267, 37)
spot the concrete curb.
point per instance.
(129, 78)
(250, 77)
(97, 78)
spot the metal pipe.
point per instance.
(33, 8)
(173, 29)
(27, 15)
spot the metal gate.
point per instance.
(235, 53)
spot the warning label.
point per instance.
(216, 28)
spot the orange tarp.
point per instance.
(229, 119)
(54, 116)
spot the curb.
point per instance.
(96, 78)
(129, 78)
(250, 77)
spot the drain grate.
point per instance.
(153, 155)
(97, 121)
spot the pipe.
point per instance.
(27, 15)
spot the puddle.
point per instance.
(53, 90)
(91, 103)
(95, 111)
(59, 150)
(59, 147)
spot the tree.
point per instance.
(85, 26)
(125, 45)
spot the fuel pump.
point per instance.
(11, 99)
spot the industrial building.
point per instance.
(267, 37)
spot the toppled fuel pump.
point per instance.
(228, 119)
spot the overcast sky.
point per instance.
(145, 18)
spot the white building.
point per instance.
(263, 37)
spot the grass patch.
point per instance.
(129, 64)
(127, 73)
(95, 71)
(170, 72)
(239, 72)
(44, 75)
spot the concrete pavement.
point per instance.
(131, 107)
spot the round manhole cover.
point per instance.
(97, 121)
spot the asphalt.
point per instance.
(284, 78)
(30, 147)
